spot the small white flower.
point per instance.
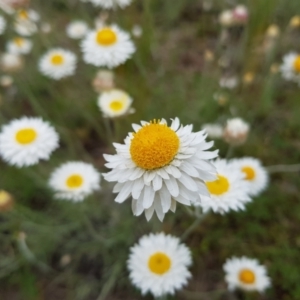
(247, 274)
(229, 82)
(240, 14)
(77, 29)
(255, 174)
(19, 45)
(114, 103)
(25, 141)
(107, 46)
(214, 131)
(11, 62)
(159, 264)
(108, 4)
(2, 24)
(160, 165)
(137, 31)
(228, 192)
(74, 181)
(236, 131)
(290, 68)
(58, 63)
(226, 18)
(23, 15)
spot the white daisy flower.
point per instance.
(24, 15)
(11, 62)
(255, 174)
(290, 68)
(25, 141)
(107, 46)
(236, 131)
(19, 45)
(2, 24)
(58, 63)
(74, 181)
(159, 264)
(228, 192)
(108, 4)
(114, 103)
(77, 29)
(159, 166)
(246, 274)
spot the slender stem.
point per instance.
(28, 255)
(193, 226)
(283, 168)
(229, 152)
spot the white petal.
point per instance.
(157, 183)
(148, 196)
(125, 192)
(172, 186)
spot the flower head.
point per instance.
(109, 4)
(114, 103)
(74, 181)
(236, 131)
(19, 45)
(77, 29)
(6, 201)
(58, 63)
(246, 273)
(290, 68)
(228, 192)
(255, 174)
(25, 141)
(107, 46)
(159, 264)
(11, 62)
(161, 165)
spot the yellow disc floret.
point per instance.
(250, 173)
(219, 186)
(116, 105)
(154, 146)
(297, 64)
(159, 263)
(23, 14)
(106, 37)
(26, 136)
(74, 181)
(57, 59)
(247, 276)
(19, 41)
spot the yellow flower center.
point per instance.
(57, 59)
(74, 181)
(159, 263)
(219, 186)
(247, 276)
(106, 37)
(154, 146)
(23, 14)
(26, 136)
(19, 41)
(116, 105)
(250, 173)
(297, 64)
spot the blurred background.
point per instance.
(192, 63)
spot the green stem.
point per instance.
(229, 152)
(192, 227)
